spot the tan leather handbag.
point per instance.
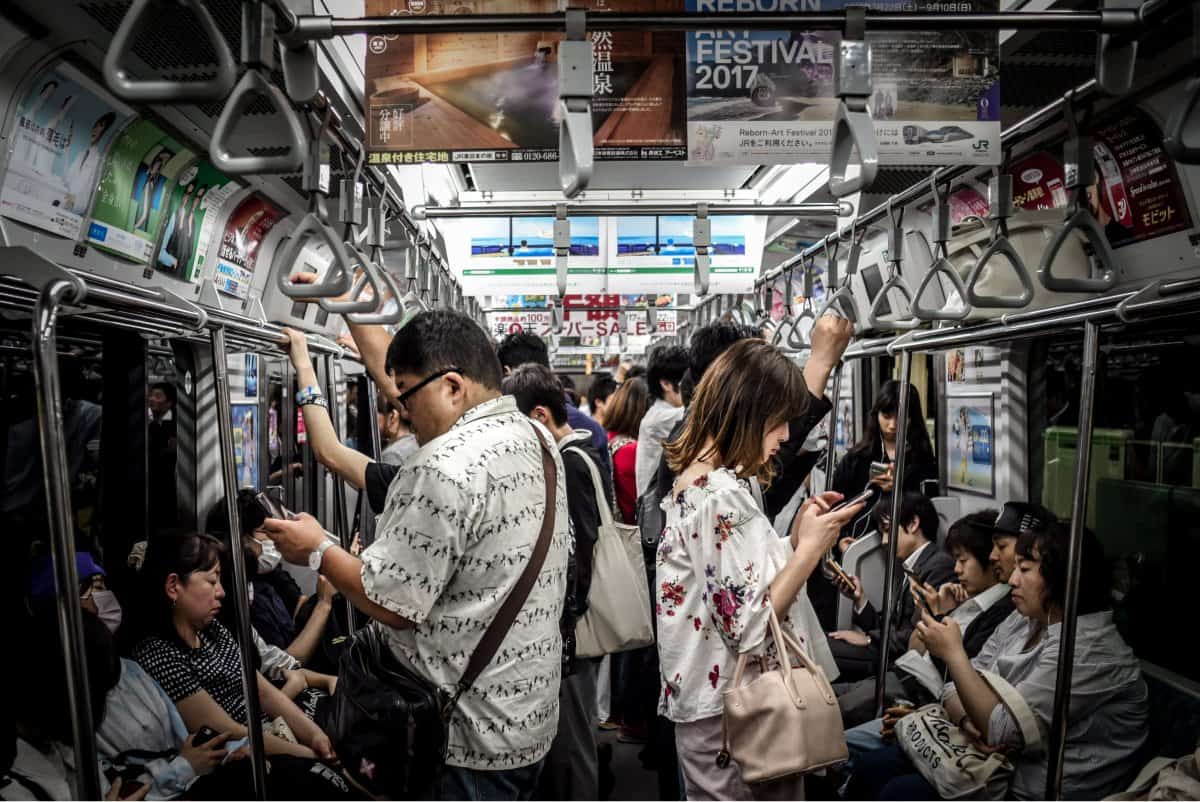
(784, 721)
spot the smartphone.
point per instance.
(861, 497)
(833, 567)
(879, 469)
(204, 735)
(272, 508)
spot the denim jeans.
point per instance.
(476, 784)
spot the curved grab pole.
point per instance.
(576, 154)
(337, 279)
(127, 88)
(1000, 208)
(1080, 172)
(853, 126)
(941, 266)
(258, 54)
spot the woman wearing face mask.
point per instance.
(721, 568)
(94, 594)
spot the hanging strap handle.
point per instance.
(941, 266)
(1000, 208)
(852, 126)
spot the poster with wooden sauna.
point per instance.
(493, 97)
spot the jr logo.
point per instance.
(981, 145)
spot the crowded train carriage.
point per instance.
(689, 399)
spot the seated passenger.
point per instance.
(857, 653)
(1108, 704)
(94, 594)
(978, 601)
(570, 769)
(721, 569)
(195, 658)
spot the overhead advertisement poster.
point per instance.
(135, 191)
(758, 97)
(56, 144)
(657, 254)
(494, 97)
(188, 232)
(517, 253)
(244, 232)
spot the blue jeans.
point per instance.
(885, 773)
(485, 786)
(862, 739)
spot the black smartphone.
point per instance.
(879, 469)
(204, 735)
(866, 495)
(272, 508)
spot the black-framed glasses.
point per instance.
(403, 399)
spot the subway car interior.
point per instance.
(243, 242)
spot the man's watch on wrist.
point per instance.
(318, 555)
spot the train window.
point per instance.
(1144, 484)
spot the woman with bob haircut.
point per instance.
(721, 567)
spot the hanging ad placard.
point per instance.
(770, 97)
(494, 97)
(57, 143)
(1137, 195)
(657, 254)
(244, 232)
(135, 190)
(201, 189)
(533, 321)
(517, 253)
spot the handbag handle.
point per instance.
(785, 662)
(606, 518)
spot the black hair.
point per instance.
(917, 445)
(107, 118)
(442, 339)
(183, 555)
(250, 515)
(912, 506)
(522, 348)
(973, 534)
(636, 372)
(709, 342)
(603, 386)
(168, 390)
(667, 363)
(537, 386)
(1051, 547)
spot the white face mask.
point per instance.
(108, 609)
(269, 558)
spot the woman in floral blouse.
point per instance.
(721, 563)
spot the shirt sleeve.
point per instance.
(378, 477)
(419, 542)
(737, 555)
(582, 506)
(164, 663)
(275, 661)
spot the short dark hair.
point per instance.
(667, 363)
(521, 348)
(603, 386)
(709, 342)
(537, 386)
(168, 390)
(442, 339)
(635, 372)
(1052, 546)
(973, 534)
(912, 505)
(250, 515)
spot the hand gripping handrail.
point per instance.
(127, 88)
(1080, 173)
(337, 278)
(576, 155)
(942, 265)
(1185, 118)
(853, 126)
(894, 256)
(258, 53)
(1000, 208)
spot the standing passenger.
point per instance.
(456, 515)
(667, 365)
(623, 415)
(721, 567)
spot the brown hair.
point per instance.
(626, 407)
(750, 389)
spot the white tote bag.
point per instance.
(618, 614)
(951, 760)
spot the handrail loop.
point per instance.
(376, 236)
(841, 300)
(795, 339)
(562, 248)
(852, 125)
(894, 256)
(788, 319)
(350, 215)
(337, 278)
(1079, 173)
(167, 91)
(258, 54)
(1116, 54)
(1185, 117)
(702, 241)
(1000, 208)
(940, 235)
(576, 154)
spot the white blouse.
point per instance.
(716, 560)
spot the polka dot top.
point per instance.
(215, 667)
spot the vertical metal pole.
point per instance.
(1066, 652)
(889, 586)
(240, 580)
(62, 534)
(831, 445)
(341, 529)
(287, 433)
(366, 517)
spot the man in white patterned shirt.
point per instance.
(460, 521)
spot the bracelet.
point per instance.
(311, 395)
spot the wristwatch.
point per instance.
(318, 554)
(311, 395)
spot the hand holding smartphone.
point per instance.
(861, 498)
(272, 508)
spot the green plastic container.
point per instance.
(1108, 462)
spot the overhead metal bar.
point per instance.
(587, 308)
(633, 209)
(309, 27)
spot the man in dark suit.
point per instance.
(857, 652)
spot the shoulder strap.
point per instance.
(606, 518)
(502, 623)
(1011, 698)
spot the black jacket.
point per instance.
(582, 506)
(853, 474)
(934, 567)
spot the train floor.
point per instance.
(629, 778)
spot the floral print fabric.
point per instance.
(716, 559)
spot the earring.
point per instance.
(174, 603)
